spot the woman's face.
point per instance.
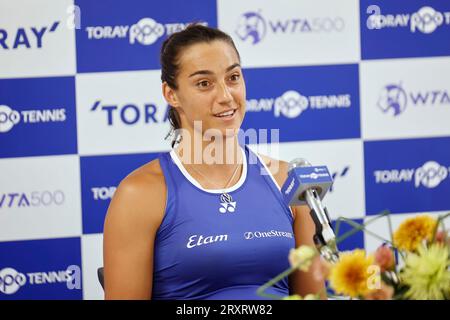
(210, 83)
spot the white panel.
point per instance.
(405, 98)
(286, 32)
(49, 50)
(40, 198)
(347, 197)
(105, 100)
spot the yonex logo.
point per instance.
(226, 203)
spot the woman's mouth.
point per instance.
(229, 114)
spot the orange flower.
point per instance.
(413, 231)
(351, 274)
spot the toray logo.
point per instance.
(103, 193)
(12, 280)
(130, 114)
(29, 38)
(145, 32)
(394, 99)
(426, 20)
(9, 117)
(291, 103)
(429, 175)
(252, 27)
(32, 199)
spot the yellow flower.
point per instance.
(350, 275)
(302, 257)
(427, 273)
(293, 297)
(413, 231)
(299, 297)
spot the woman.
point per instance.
(185, 227)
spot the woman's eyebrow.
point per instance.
(209, 72)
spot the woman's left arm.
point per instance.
(300, 282)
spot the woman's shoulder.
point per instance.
(146, 177)
(278, 168)
(140, 196)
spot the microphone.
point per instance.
(307, 184)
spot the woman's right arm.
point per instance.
(131, 223)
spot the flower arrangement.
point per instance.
(421, 270)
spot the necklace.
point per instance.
(226, 200)
(224, 196)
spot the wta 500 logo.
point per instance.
(394, 99)
(32, 199)
(130, 113)
(430, 175)
(146, 31)
(291, 103)
(9, 117)
(252, 27)
(12, 280)
(426, 20)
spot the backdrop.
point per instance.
(360, 86)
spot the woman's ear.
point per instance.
(170, 95)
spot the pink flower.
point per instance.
(441, 236)
(384, 258)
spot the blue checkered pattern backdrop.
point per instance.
(360, 86)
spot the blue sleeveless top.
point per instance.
(210, 246)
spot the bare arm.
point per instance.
(131, 223)
(300, 282)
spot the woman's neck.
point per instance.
(216, 159)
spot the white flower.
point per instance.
(302, 257)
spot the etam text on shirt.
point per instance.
(199, 240)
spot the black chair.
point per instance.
(101, 277)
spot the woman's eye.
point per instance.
(235, 77)
(203, 84)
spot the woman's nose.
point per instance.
(224, 94)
